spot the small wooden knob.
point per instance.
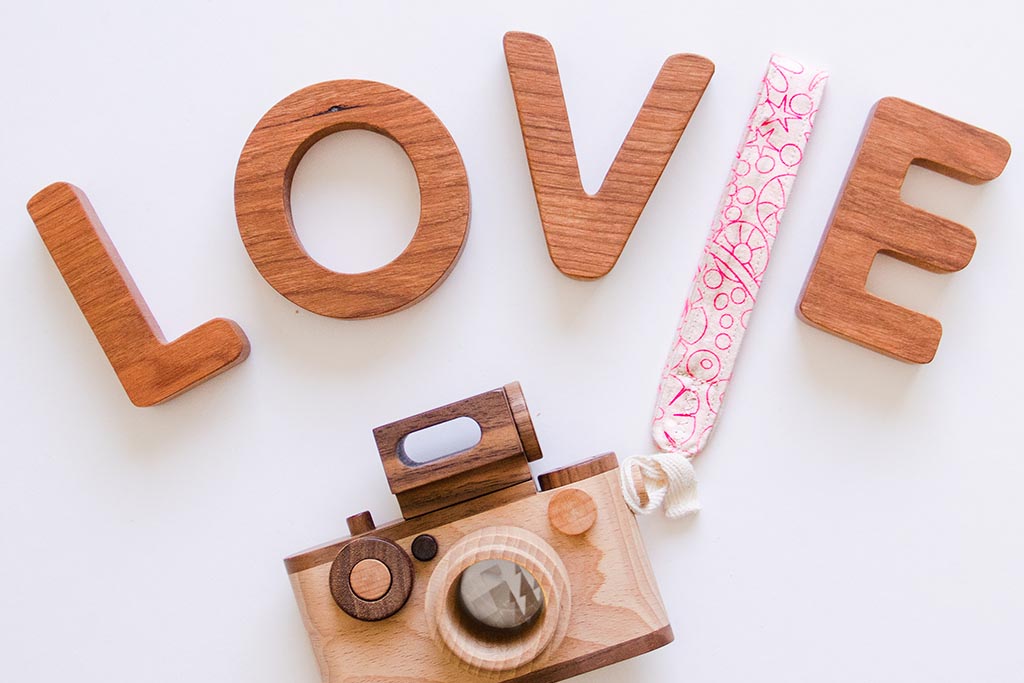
(572, 511)
(424, 547)
(361, 523)
(370, 579)
(640, 486)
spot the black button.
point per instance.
(424, 548)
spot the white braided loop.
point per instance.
(668, 479)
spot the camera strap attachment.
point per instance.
(724, 290)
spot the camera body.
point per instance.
(486, 578)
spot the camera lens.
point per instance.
(500, 595)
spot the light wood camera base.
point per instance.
(616, 610)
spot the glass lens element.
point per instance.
(500, 594)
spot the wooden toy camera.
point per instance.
(485, 578)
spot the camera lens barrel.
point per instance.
(519, 553)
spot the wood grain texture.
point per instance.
(343, 591)
(478, 652)
(150, 369)
(578, 471)
(598, 659)
(572, 511)
(615, 611)
(637, 477)
(370, 579)
(497, 461)
(586, 233)
(524, 423)
(402, 528)
(870, 218)
(263, 182)
(360, 523)
(464, 485)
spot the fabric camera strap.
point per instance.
(717, 312)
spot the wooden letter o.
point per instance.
(263, 182)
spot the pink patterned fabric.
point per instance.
(736, 254)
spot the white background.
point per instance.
(864, 519)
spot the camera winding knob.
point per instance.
(371, 578)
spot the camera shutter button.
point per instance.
(424, 547)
